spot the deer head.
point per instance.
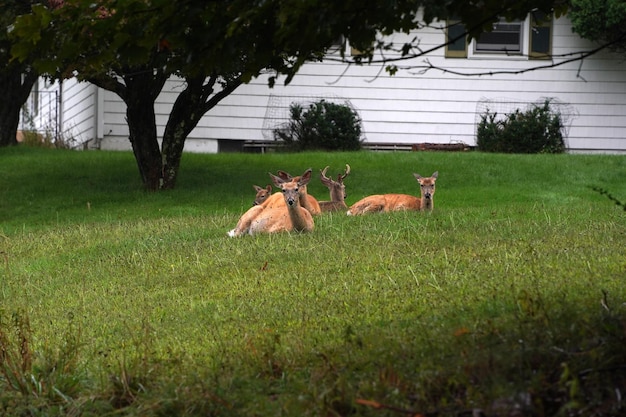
(306, 200)
(285, 176)
(337, 188)
(262, 194)
(291, 186)
(427, 186)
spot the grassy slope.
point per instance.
(488, 297)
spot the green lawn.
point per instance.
(116, 301)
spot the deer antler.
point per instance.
(346, 173)
(323, 172)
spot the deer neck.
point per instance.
(336, 195)
(298, 221)
(293, 201)
(427, 203)
(303, 194)
(304, 199)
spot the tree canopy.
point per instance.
(603, 21)
(131, 47)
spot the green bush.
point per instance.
(321, 126)
(538, 130)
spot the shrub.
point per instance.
(537, 130)
(321, 126)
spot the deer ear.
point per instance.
(284, 175)
(306, 177)
(268, 188)
(257, 188)
(435, 174)
(276, 180)
(417, 176)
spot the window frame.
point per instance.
(455, 53)
(527, 29)
(539, 21)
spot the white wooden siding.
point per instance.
(65, 111)
(79, 111)
(42, 106)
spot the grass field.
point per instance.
(508, 296)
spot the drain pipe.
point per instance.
(60, 110)
(98, 116)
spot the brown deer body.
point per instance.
(289, 217)
(337, 191)
(398, 202)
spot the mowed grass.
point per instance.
(510, 295)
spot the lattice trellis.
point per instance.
(277, 112)
(505, 106)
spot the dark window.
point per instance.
(540, 35)
(456, 40)
(506, 37)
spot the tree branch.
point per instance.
(227, 88)
(575, 56)
(110, 84)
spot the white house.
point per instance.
(413, 106)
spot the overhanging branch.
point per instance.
(555, 61)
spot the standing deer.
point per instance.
(289, 217)
(398, 202)
(337, 191)
(262, 194)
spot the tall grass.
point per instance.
(510, 295)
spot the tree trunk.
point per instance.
(159, 169)
(140, 94)
(187, 111)
(14, 90)
(185, 115)
(191, 104)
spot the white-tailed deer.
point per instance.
(289, 217)
(262, 194)
(337, 191)
(398, 202)
(306, 200)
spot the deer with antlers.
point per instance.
(289, 217)
(337, 191)
(398, 202)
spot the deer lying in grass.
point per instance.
(337, 191)
(262, 194)
(306, 200)
(398, 202)
(289, 217)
